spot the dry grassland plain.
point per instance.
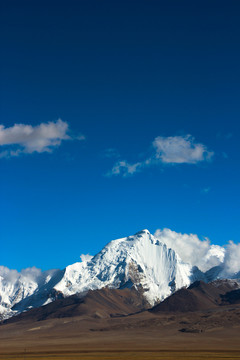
(142, 336)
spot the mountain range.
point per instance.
(142, 262)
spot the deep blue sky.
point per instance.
(122, 73)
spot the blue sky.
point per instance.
(148, 97)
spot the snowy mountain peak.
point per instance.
(140, 260)
(142, 232)
(156, 266)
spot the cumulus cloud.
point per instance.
(180, 150)
(191, 249)
(22, 138)
(232, 258)
(32, 274)
(201, 253)
(167, 150)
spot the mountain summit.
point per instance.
(141, 261)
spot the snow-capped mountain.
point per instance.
(142, 261)
(14, 286)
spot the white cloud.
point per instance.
(206, 190)
(167, 150)
(80, 137)
(110, 153)
(86, 257)
(201, 253)
(191, 249)
(124, 168)
(27, 139)
(180, 150)
(12, 276)
(31, 274)
(232, 258)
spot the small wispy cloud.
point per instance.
(86, 257)
(80, 137)
(124, 168)
(225, 136)
(110, 153)
(22, 138)
(167, 150)
(206, 190)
